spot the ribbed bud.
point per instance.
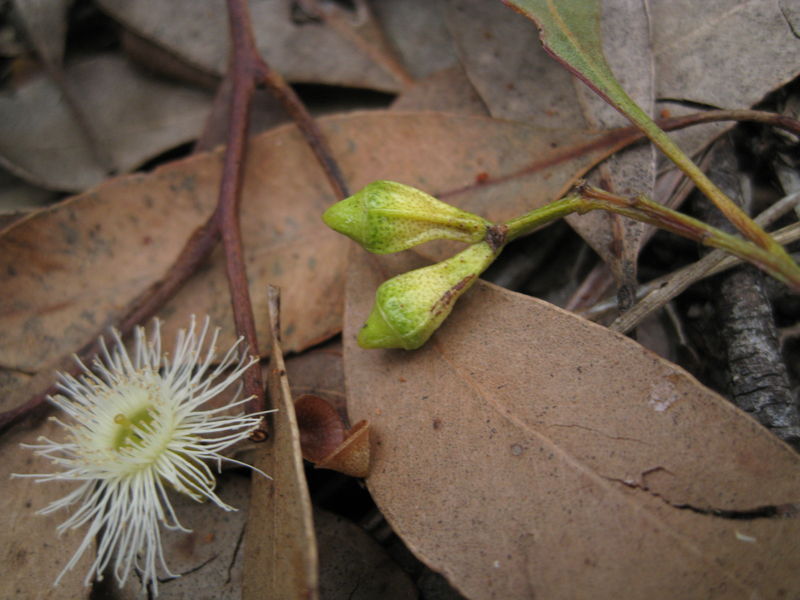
(410, 307)
(387, 217)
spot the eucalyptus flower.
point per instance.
(135, 428)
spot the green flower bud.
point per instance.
(387, 217)
(410, 307)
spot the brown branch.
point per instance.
(243, 69)
(247, 68)
(306, 123)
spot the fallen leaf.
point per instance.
(45, 24)
(446, 91)
(71, 270)
(321, 428)
(352, 457)
(280, 547)
(416, 28)
(301, 49)
(135, 117)
(699, 57)
(527, 452)
(33, 553)
(504, 60)
(698, 50)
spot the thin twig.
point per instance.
(247, 68)
(276, 84)
(654, 294)
(618, 139)
(243, 72)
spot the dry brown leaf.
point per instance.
(321, 428)
(527, 452)
(134, 116)
(699, 50)
(417, 30)
(445, 91)
(301, 49)
(69, 271)
(504, 60)
(353, 456)
(701, 57)
(319, 372)
(280, 546)
(45, 24)
(33, 554)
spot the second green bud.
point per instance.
(410, 307)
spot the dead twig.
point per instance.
(758, 381)
(247, 69)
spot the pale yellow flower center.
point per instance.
(125, 435)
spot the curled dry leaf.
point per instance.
(325, 441)
(69, 271)
(527, 452)
(321, 428)
(352, 457)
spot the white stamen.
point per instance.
(135, 424)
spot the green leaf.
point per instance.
(570, 32)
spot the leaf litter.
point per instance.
(599, 481)
(552, 468)
(80, 244)
(134, 118)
